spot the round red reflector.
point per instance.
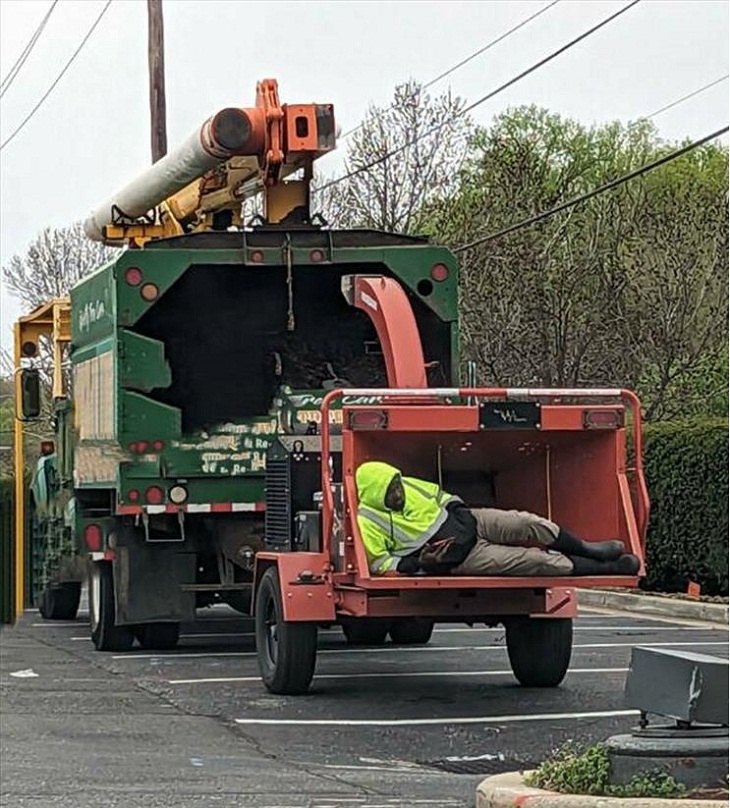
(439, 272)
(257, 256)
(133, 276)
(133, 495)
(158, 445)
(154, 495)
(368, 419)
(132, 447)
(92, 537)
(316, 256)
(142, 446)
(149, 292)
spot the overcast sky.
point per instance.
(92, 135)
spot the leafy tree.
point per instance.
(53, 263)
(629, 288)
(391, 193)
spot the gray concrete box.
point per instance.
(681, 685)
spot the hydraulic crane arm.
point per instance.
(234, 155)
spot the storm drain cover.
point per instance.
(482, 764)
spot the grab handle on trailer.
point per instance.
(642, 499)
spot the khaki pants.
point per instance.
(501, 548)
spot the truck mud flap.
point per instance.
(147, 583)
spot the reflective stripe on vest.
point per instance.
(411, 543)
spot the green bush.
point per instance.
(686, 467)
(7, 523)
(571, 770)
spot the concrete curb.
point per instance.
(509, 791)
(643, 603)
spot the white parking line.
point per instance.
(183, 636)
(383, 675)
(592, 628)
(400, 649)
(420, 722)
(645, 629)
(58, 624)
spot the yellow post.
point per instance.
(19, 452)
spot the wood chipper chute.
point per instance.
(562, 453)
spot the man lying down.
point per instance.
(410, 526)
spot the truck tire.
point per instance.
(365, 630)
(104, 634)
(539, 649)
(411, 631)
(157, 636)
(60, 601)
(286, 650)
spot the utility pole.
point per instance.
(156, 61)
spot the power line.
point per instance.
(58, 78)
(595, 192)
(688, 96)
(487, 97)
(20, 61)
(469, 58)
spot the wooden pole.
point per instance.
(156, 61)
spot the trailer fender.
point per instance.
(306, 586)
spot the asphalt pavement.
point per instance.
(383, 727)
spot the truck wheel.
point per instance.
(60, 601)
(157, 636)
(104, 634)
(286, 650)
(411, 631)
(539, 649)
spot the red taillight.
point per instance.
(257, 256)
(133, 495)
(149, 292)
(142, 446)
(316, 256)
(158, 445)
(154, 495)
(439, 272)
(92, 537)
(367, 419)
(602, 419)
(133, 276)
(132, 446)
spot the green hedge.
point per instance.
(686, 466)
(7, 522)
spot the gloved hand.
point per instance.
(408, 565)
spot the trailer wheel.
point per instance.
(365, 630)
(411, 631)
(104, 634)
(286, 650)
(539, 649)
(60, 601)
(157, 636)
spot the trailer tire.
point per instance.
(157, 636)
(411, 631)
(60, 601)
(286, 650)
(105, 635)
(539, 649)
(365, 630)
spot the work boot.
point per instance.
(570, 545)
(624, 565)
